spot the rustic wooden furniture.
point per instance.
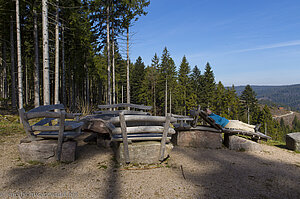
(214, 127)
(44, 128)
(127, 126)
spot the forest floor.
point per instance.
(188, 173)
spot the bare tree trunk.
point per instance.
(63, 64)
(170, 101)
(108, 55)
(87, 85)
(122, 100)
(127, 74)
(248, 115)
(113, 66)
(46, 54)
(26, 83)
(12, 56)
(56, 89)
(5, 85)
(154, 99)
(36, 59)
(20, 74)
(166, 99)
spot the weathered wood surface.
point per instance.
(212, 122)
(164, 137)
(143, 129)
(126, 112)
(47, 108)
(48, 115)
(125, 105)
(131, 118)
(124, 136)
(60, 134)
(63, 129)
(54, 134)
(141, 137)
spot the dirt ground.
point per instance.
(189, 173)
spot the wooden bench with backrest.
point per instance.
(137, 125)
(128, 128)
(46, 128)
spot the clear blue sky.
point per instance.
(253, 42)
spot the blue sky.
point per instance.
(254, 42)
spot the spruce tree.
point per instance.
(184, 84)
(196, 83)
(249, 101)
(137, 78)
(208, 87)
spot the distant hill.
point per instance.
(288, 96)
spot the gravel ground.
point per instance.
(189, 173)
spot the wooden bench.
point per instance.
(129, 128)
(44, 128)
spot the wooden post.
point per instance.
(124, 135)
(60, 134)
(164, 138)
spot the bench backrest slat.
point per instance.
(125, 105)
(47, 108)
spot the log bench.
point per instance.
(132, 124)
(46, 128)
(133, 128)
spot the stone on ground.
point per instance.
(44, 151)
(293, 141)
(241, 144)
(142, 152)
(199, 139)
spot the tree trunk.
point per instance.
(63, 65)
(108, 55)
(36, 59)
(12, 56)
(87, 85)
(56, 89)
(20, 74)
(170, 101)
(166, 99)
(46, 54)
(127, 74)
(154, 100)
(113, 66)
(26, 83)
(5, 85)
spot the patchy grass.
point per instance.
(10, 127)
(276, 143)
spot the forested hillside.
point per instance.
(281, 95)
(70, 52)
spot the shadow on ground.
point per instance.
(230, 174)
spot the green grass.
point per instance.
(10, 127)
(274, 143)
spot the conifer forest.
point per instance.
(77, 52)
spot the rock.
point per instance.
(92, 123)
(44, 151)
(241, 144)
(141, 152)
(199, 139)
(293, 141)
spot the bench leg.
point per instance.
(124, 135)
(164, 138)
